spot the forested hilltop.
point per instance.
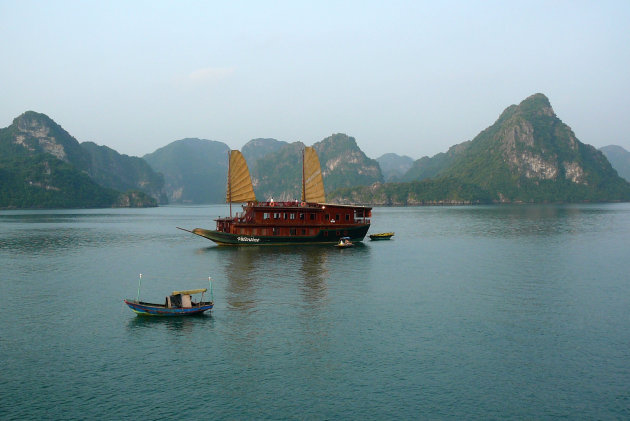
(279, 174)
(42, 166)
(195, 170)
(527, 156)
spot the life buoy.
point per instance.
(272, 204)
(303, 204)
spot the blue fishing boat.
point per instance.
(179, 303)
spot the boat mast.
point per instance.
(229, 184)
(303, 181)
(139, 282)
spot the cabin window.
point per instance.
(292, 231)
(266, 215)
(358, 214)
(337, 218)
(327, 217)
(276, 216)
(312, 217)
(291, 216)
(302, 216)
(286, 215)
(347, 217)
(303, 231)
(274, 231)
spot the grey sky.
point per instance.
(412, 78)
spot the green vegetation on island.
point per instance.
(446, 191)
(527, 156)
(42, 166)
(123, 173)
(279, 174)
(41, 181)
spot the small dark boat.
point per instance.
(344, 242)
(381, 236)
(179, 303)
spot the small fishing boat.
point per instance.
(381, 236)
(179, 303)
(344, 242)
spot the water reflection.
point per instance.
(250, 269)
(46, 240)
(314, 271)
(181, 325)
(512, 221)
(52, 217)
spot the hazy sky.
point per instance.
(412, 78)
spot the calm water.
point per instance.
(469, 312)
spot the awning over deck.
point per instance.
(190, 291)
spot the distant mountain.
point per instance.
(530, 155)
(195, 170)
(426, 167)
(619, 158)
(527, 155)
(34, 133)
(443, 191)
(258, 148)
(344, 164)
(394, 166)
(121, 172)
(279, 174)
(43, 166)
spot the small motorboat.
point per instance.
(381, 236)
(179, 303)
(344, 242)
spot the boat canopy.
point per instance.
(312, 183)
(239, 188)
(190, 291)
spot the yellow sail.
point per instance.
(239, 188)
(312, 182)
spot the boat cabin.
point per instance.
(293, 218)
(183, 299)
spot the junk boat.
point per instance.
(307, 221)
(179, 303)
